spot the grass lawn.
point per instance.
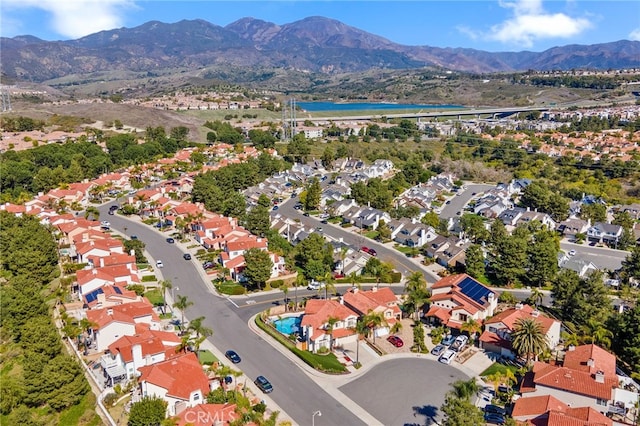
(496, 367)
(206, 357)
(403, 249)
(372, 234)
(155, 297)
(325, 363)
(229, 287)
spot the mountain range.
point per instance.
(314, 44)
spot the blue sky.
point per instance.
(493, 25)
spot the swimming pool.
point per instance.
(288, 325)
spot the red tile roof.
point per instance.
(149, 343)
(180, 376)
(318, 312)
(574, 381)
(126, 313)
(510, 316)
(533, 406)
(578, 359)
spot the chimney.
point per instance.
(519, 306)
(535, 313)
(109, 311)
(571, 348)
(590, 362)
(599, 376)
(341, 300)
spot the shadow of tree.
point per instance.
(428, 412)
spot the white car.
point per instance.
(159, 264)
(447, 357)
(105, 224)
(572, 252)
(315, 285)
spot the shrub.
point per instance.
(109, 399)
(276, 283)
(396, 277)
(139, 289)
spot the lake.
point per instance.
(366, 106)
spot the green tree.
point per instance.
(374, 320)
(164, 286)
(327, 158)
(595, 212)
(418, 337)
(431, 219)
(626, 337)
(474, 228)
(474, 261)
(528, 338)
(258, 267)
(458, 408)
(182, 303)
(542, 258)
(416, 294)
(314, 192)
(631, 265)
(314, 256)
(150, 411)
(623, 219)
(258, 220)
(510, 259)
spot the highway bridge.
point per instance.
(476, 113)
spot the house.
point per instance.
(180, 381)
(511, 216)
(109, 324)
(529, 216)
(457, 298)
(632, 210)
(411, 234)
(572, 226)
(602, 232)
(497, 334)
(127, 354)
(92, 279)
(315, 328)
(549, 411)
(586, 378)
(380, 300)
(108, 296)
(577, 263)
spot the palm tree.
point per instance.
(528, 338)
(465, 389)
(165, 285)
(417, 294)
(182, 304)
(300, 281)
(536, 297)
(92, 212)
(343, 256)
(373, 321)
(285, 291)
(472, 327)
(331, 322)
(185, 343)
(200, 330)
(595, 332)
(353, 279)
(361, 329)
(329, 283)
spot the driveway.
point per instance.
(404, 391)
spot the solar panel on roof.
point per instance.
(474, 290)
(93, 295)
(117, 289)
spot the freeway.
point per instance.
(445, 113)
(294, 391)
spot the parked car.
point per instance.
(572, 252)
(186, 256)
(274, 208)
(306, 214)
(315, 285)
(438, 349)
(159, 264)
(370, 251)
(495, 409)
(395, 341)
(208, 264)
(263, 384)
(448, 340)
(459, 343)
(105, 224)
(447, 357)
(232, 356)
(494, 418)
(171, 240)
(298, 207)
(134, 237)
(324, 221)
(113, 208)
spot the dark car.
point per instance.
(134, 237)
(372, 252)
(306, 214)
(186, 256)
(395, 341)
(495, 409)
(324, 221)
(437, 351)
(232, 356)
(113, 208)
(263, 384)
(275, 208)
(171, 240)
(494, 418)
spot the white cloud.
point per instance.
(78, 18)
(635, 35)
(530, 22)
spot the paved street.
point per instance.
(294, 391)
(404, 391)
(457, 203)
(602, 257)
